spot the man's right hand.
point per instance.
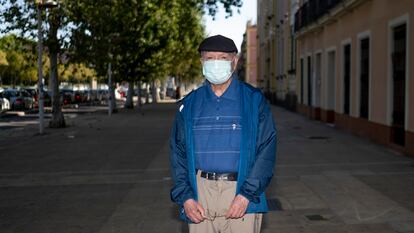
(194, 211)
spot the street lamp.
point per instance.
(41, 4)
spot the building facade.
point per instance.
(251, 54)
(344, 62)
(354, 67)
(265, 55)
(277, 46)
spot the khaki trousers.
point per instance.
(216, 197)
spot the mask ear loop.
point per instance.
(231, 70)
(233, 65)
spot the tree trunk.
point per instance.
(58, 120)
(111, 92)
(139, 95)
(177, 89)
(155, 95)
(147, 93)
(129, 103)
(112, 98)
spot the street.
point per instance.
(111, 174)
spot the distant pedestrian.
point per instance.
(223, 147)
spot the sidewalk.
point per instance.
(111, 174)
(330, 181)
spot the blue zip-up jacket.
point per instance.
(257, 150)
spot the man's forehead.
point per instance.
(213, 53)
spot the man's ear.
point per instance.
(235, 61)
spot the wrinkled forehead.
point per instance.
(217, 55)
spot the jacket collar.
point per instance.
(232, 92)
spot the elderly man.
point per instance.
(223, 147)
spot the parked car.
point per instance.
(171, 92)
(10, 95)
(29, 100)
(92, 95)
(67, 96)
(102, 95)
(47, 98)
(88, 96)
(78, 97)
(4, 103)
(32, 92)
(19, 99)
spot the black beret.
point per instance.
(218, 43)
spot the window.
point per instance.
(331, 73)
(347, 77)
(301, 79)
(399, 66)
(309, 74)
(364, 78)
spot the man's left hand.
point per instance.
(238, 207)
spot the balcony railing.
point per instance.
(312, 10)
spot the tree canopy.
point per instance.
(20, 58)
(142, 39)
(3, 59)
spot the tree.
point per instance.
(76, 73)
(17, 16)
(228, 5)
(3, 59)
(136, 37)
(3, 64)
(20, 56)
(143, 40)
(186, 65)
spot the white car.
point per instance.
(4, 103)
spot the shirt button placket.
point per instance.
(218, 109)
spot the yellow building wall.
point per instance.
(374, 17)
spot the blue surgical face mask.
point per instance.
(217, 71)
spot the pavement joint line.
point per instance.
(31, 175)
(52, 180)
(70, 183)
(354, 201)
(343, 164)
(98, 172)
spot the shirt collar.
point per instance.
(231, 92)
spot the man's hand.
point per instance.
(238, 207)
(194, 211)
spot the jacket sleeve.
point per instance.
(262, 170)
(181, 190)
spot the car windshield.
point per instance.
(25, 94)
(11, 93)
(31, 91)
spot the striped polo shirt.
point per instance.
(217, 129)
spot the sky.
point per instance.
(235, 26)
